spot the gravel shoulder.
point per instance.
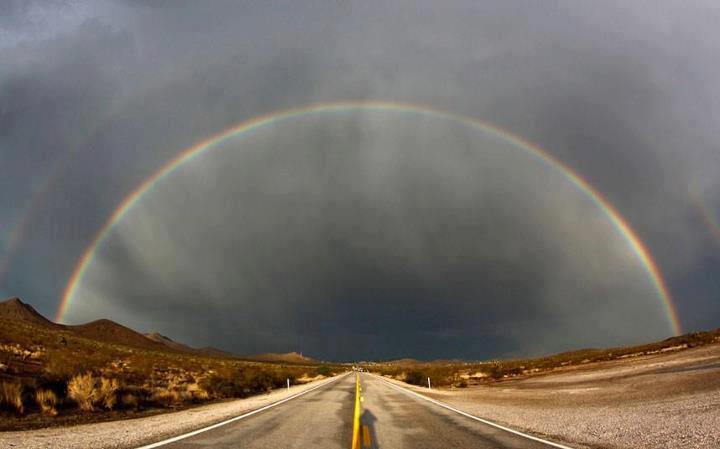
(654, 402)
(136, 432)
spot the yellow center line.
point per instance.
(356, 415)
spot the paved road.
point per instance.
(390, 419)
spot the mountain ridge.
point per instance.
(109, 331)
(15, 308)
(288, 357)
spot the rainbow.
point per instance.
(39, 197)
(707, 215)
(187, 155)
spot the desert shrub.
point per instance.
(81, 389)
(88, 391)
(200, 395)
(11, 396)
(439, 376)
(278, 379)
(197, 393)
(56, 384)
(257, 381)
(133, 397)
(221, 387)
(514, 371)
(323, 370)
(106, 393)
(494, 370)
(291, 373)
(47, 400)
(245, 382)
(163, 397)
(462, 384)
(64, 364)
(129, 401)
(389, 370)
(168, 397)
(416, 378)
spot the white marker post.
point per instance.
(288, 384)
(429, 384)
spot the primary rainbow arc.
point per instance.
(620, 224)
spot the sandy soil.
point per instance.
(661, 401)
(133, 433)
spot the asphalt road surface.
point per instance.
(390, 419)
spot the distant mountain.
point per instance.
(174, 345)
(214, 352)
(288, 357)
(404, 362)
(168, 342)
(104, 330)
(108, 331)
(112, 332)
(15, 309)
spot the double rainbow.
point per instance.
(187, 155)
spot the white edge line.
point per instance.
(468, 415)
(237, 418)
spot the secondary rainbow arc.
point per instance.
(707, 214)
(620, 224)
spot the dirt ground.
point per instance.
(661, 401)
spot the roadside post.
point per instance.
(288, 384)
(429, 384)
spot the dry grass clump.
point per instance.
(107, 392)
(197, 392)
(89, 391)
(170, 396)
(81, 389)
(11, 395)
(47, 400)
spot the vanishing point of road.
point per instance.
(390, 417)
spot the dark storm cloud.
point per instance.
(54, 100)
(373, 226)
(625, 93)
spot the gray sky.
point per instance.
(364, 234)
